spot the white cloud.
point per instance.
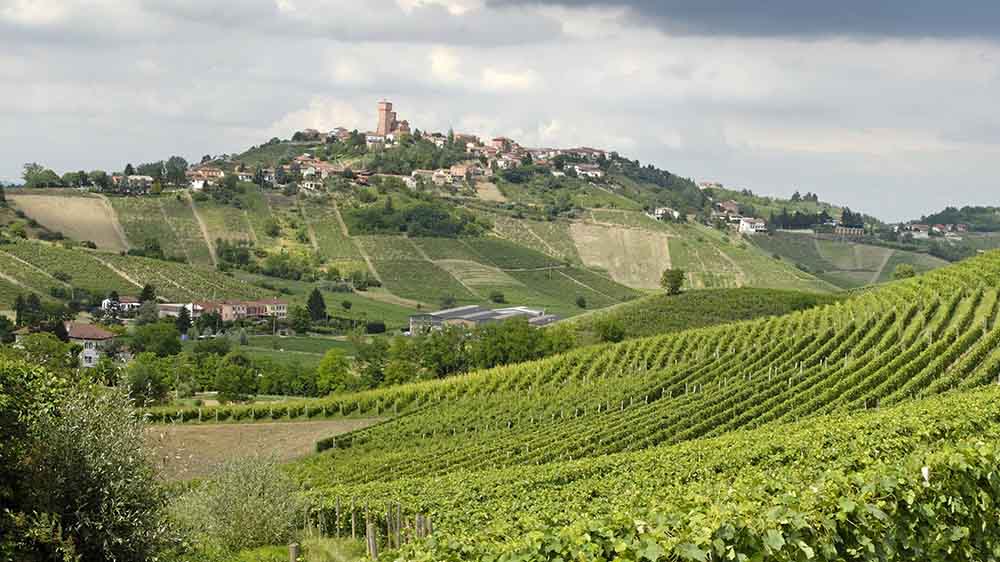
(322, 113)
(34, 12)
(497, 80)
(444, 64)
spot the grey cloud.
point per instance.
(805, 18)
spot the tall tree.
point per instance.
(129, 170)
(672, 281)
(183, 321)
(316, 306)
(148, 293)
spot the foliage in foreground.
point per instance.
(76, 480)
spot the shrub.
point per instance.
(248, 503)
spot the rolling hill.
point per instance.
(709, 436)
(840, 262)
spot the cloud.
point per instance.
(497, 80)
(444, 64)
(797, 18)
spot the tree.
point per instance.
(672, 281)
(148, 293)
(176, 170)
(498, 297)
(6, 330)
(610, 330)
(183, 321)
(316, 306)
(581, 301)
(129, 170)
(333, 373)
(904, 271)
(234, 378)
(346, 305)
(162, 339)
(146, 377)
(299, 319)
(89, 454)
(148, 313)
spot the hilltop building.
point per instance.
(92, 339)
(388, 122)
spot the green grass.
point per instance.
(181, 218)
(333, 244)
(303, 344)
(507, 255)
(144, 220)
(82, 266)
(561, 291)
(662, 314)
(270, 155)
(422, 281)
(448, 249)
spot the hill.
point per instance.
(655, 426)
(979, 219)
(841, 262)
(662, 314)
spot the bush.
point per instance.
(498, 297)
(248, 503)
(91, 471)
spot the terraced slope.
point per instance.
(168, 220)
(36, 266)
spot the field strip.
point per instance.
(582, 284)
(117, 271)
(253, 233)
(16, 282)
(361, 249)
(309, 227)
(881, 268)
(204, 229)
(166, 219)
(117, 226)
(389, 298)
(544, 242)
(34, 267)
(741, 276)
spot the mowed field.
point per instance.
(632, 256)
(80, 216)
(185, 452)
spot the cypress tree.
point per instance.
(316, 306)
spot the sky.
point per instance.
(888, 107)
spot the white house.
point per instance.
(123, 304)
(589, 171)
(661, 213)
(92, 339)
(752, 226)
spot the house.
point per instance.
(589, 171)
(709, 185)
(270, 308)
(93, 340)
(311, 185)
(233, 310)
(123, 304)
(245, 176)
(173, 310)
(752, 226)
(729, 207)
(374, 141)
(473, 316)
(210, 172)
(662, 213)
(849, 231)
(502, 144)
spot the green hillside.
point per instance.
(703, 433)
(842, 263)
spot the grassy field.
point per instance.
(310, 344)
(185, 452)
(662, 314)
(632, 256)
(842, 263)
(83, 267)
(77, 216)
(182, 220)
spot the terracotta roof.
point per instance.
(87, 332)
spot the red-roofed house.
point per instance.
(93, 339)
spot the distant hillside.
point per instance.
(840, 262)
(662, 314)
(979, 219)
(764, 206)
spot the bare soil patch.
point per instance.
(78, 217)
(185, 452)
(632, 256)
(488, 191)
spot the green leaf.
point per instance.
(774, 540)
(689, 551)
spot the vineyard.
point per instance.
(748, 438)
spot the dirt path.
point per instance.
(117, 271)
(881, 268)
(204, 229)
(166, 219)
(582, 284)
(117, 226)
(309, 227)
(30, 265)
(389, 298)
(361, 249)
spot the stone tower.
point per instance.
(386, 118)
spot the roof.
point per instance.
(458, 311)
(87, 332)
